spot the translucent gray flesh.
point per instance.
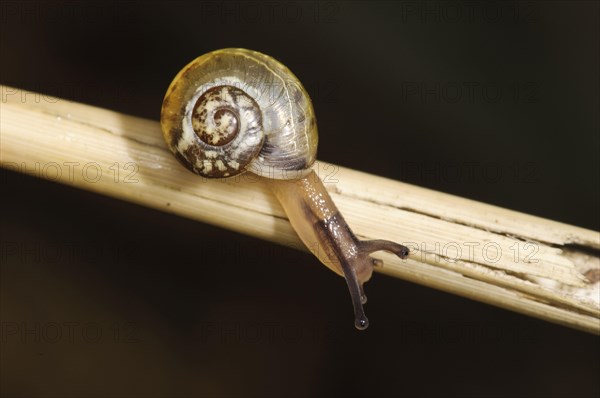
(324, 231)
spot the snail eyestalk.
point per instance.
(358, 297)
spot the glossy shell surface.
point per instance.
(234, 110)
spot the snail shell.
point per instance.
(234, 110)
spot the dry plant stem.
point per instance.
(516, 261)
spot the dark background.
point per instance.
(495, 101)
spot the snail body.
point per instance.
(232, 111)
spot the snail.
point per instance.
(232, 111)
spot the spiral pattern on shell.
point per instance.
(234, 110)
